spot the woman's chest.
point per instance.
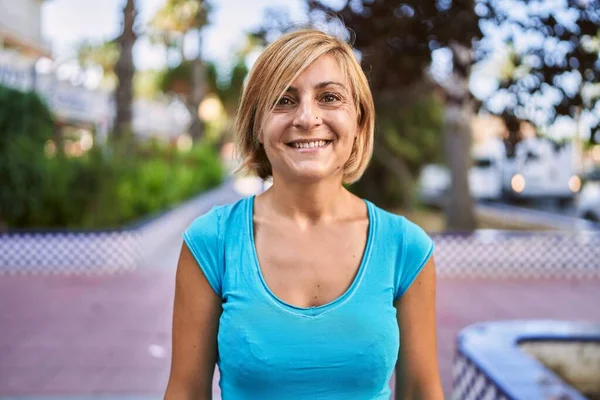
(309, 269)
(354, 346)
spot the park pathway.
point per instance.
(108, 337)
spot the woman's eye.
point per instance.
(330, 98)
(284, 101)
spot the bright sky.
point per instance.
(65, 22)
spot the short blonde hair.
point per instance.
(274, 71)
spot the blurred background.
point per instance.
(116, 128)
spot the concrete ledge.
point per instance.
(490, 363)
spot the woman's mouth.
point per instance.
(309, 145)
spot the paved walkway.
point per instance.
(109, 337)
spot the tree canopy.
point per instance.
(553, 50)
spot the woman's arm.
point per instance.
(196, 313)
(417, 375)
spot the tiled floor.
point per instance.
(111, 335)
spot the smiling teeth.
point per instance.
(306, 145)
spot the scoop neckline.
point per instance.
(327, 307)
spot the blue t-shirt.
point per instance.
(268, 349)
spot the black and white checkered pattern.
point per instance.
(484, 254)
(69, 252)
(470, 383)
(501, 255)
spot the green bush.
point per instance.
(408, 137)
(104, 188)
(146, 184)
(25, 126)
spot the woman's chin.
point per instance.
(312, 175)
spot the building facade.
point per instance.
(20, 28)
(76, 108)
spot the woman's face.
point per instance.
(310, 133)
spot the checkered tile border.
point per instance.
(470, 383)
(69, 252)
(488, 255)
(502, 255)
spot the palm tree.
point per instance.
(169, 27)
(124, 70)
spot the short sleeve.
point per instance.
(202, 238)
(417, 248)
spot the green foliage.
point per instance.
(413, 133)
(158, 178)
(179, 79)
(554, 73)
(104, 54)
(146, 84)
(173, 21)
(407, 137)
(101, 189)
(97, 191)
(182, 73)
(25, 126)
(177, 17)
(23, 115)
(228, 91)
(396, 39)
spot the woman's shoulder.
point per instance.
(205, 237)
(214, 221)
(394, 224)
(385, 218)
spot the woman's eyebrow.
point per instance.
(329, 83)
(318, 86)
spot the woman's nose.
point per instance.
(307, 116)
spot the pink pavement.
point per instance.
(78, 335)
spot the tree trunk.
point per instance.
(457, 137)
(124, 70)
(198, 91)
(457, 144)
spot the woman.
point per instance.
(305, 291)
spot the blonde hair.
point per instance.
(274, 71)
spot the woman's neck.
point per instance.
(308, 204)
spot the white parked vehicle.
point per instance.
(485, 175)
(588, 202)
(433, 184)
(538, 170)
